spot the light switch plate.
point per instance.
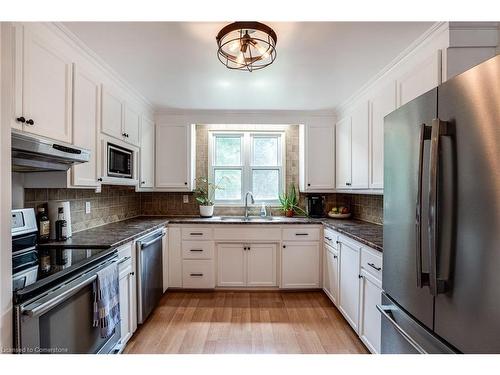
(185, 198)
(87, 207)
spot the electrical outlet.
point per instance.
(87, 207)
(185, 198)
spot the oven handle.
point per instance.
(38, 308)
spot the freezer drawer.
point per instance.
(401, 334)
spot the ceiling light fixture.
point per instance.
(246, 46)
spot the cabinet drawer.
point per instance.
(371, 262)
(330, 238)
(195, 233)
(125, 251)
(198, 274)
(197, 249)
(301, 234)
(124, 267)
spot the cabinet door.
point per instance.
(343, 153)
(382, 103)
(231, 270)
(126, 301)
(47, 87)
(174, 258)
(422, 78)
(173, 157)
(261, 265)
(86, 91)
(111, 114)
(300, 265)
(131, 124)
(147, 169)
(370, 319)
(319, 158)
(349, 283)
(359, 146)
(331, 274)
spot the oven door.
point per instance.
(119, 161)
(61, 321)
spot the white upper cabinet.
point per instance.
(359, 146)
(175, 157)
(421, 78)
(382, 103)
(86, 91)
(317, 158)
(343, 153)
(147, 154)
(43, 102)
(131, 124)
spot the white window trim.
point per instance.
(246, 166)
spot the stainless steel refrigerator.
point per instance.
(441, 277)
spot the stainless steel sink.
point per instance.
(247, 219)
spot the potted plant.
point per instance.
(289, 202)
(204, 194)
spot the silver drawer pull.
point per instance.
(196, 274)
(374, 266)
(302, 234)
(196, 250)
(196, 234)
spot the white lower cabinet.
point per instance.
(198, 274)
(331, 273)
(127, 300)
(369, 319)
(300, 265)
(349, 281)
(241, 265)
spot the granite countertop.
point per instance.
(116, 234)
(110, 235)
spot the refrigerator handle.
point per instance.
(422, 278)
(439, 128)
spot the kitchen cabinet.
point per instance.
(127, 286)
(370, 319)
(300, 264)
(244, 265)
(343, 153)
(147, 154)
(164, 244)
(349, 281)
(316, 158)
(331, 273)
(118, 118)
(86, 96)
(174, 258)
(359, 146)
(423, 77)
(175, 157)
(43, 85)
(382, 103)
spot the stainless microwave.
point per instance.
(120, 161)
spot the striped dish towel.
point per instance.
(107, 300)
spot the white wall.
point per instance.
(5, 195)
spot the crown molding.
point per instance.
(215, 112)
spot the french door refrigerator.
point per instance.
(441, 276)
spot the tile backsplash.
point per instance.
(114, 203)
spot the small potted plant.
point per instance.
(290, 202)
(204, 194)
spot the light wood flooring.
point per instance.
(245, 322)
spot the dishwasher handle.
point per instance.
(149, 243)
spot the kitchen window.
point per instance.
(247, 161)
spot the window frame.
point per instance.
(247, 167)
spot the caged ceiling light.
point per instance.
(246, 46)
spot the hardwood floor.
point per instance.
(245, 322)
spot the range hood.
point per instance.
(36, 154)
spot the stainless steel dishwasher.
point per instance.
(150, 273)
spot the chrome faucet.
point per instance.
(246, 202)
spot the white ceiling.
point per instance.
(318, 66)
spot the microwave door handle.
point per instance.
(42, 308)
(422, 278)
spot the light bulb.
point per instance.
(264, 52)
(233, 46)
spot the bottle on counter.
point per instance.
(61, 226)
(43, 225)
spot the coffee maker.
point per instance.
(316, 205)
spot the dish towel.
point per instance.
(107, 300)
